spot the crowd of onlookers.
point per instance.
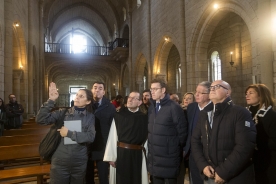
(254, 139)
(206, 133)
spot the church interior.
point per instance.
(127, 43)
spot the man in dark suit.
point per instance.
(104, 112)
(202, 100)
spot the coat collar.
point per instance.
(220, 107)
(162, 101)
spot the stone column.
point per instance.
(30, 61)
(237, 54)
(131, 85)
(139, 85)
(8, 49)
(264, 44)
(17, 74)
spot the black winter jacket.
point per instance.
(167, 133)
(227, 146)
(103, 118)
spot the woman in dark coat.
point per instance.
(260, 104)
(68, 163)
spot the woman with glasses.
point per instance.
(69, 161)
(260, 103)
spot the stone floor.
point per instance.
(97, 181)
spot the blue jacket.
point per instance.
(191, 110)
(103, 118)
(167, 132)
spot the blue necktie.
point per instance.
(157, 107)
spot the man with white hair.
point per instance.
(224, 139)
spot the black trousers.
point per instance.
(158, 180)
(103, 171)
(195, 173)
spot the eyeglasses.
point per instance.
(132, 98)
(200, 93)
(215, 87)
(154, 89)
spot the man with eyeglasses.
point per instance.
(14, 112)
(125, 146)
(167, 133)
(224, 139)
(201, 102)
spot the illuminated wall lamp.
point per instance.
(16, 24)
(232, 62)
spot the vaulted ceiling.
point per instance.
(99, 20)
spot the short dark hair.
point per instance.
(160, 81)
(98, 82)
(146, 90)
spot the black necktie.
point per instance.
(157, 107)
(95, 105)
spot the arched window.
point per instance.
(124, 12)
(216, 66)
(145, 78)
(139, 3)
(78, 43)
(178, 77)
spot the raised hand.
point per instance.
(53, 93)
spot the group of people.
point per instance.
(218, 141)
(11, 114)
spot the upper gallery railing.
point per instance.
(86, 49)
(73, 49)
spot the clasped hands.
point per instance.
(210, 173)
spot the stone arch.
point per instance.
(125, 33)
(142, 69)
(197, 53)
(173, 62)
(160, 58)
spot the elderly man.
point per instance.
(224, 139)
(125, 145)
(167, 135)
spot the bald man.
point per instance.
(224, 139)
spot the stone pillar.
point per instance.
(140, 86)
(8, 49)
(264, 44)
(30, 89)
(17, 74)
(130, 49)
(237, 56)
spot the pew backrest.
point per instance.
(21, 139)
(29, 131)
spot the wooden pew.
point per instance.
(26, 126)
(21, 139)
(30, 131)
(20, 152)
(29, 122)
